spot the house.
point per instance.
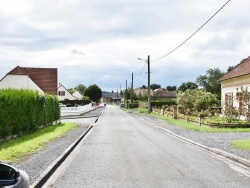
(157, 94)
(110, 97)
(43, 80)
(77, 94)
(160, 94)
(64, 94)
(143, 91)
(232, 84)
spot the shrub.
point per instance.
(25, 111)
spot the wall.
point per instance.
(18, 82)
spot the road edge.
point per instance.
(56, 163)
(216, 151)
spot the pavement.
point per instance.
(42, 163)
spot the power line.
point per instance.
(141, 71)
(193, 33)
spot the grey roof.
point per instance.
(111, 95)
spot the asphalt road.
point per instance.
(122, 151)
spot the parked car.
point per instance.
(102, 104)
(10, 177)
(121, 105)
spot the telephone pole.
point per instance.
(131, 95)
(149, 94)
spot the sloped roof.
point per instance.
(45, 78)
(164, 94)
(111, 95)
(243, 68)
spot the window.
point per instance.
(61, 93)
(229, 99)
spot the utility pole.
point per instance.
(131, 95)
(126, 95)
(149, 94)
(117, 96)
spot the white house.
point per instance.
(19, 82)
(43, 80)
(78, 95)
(232, 82)
(64, 94)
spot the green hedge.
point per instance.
(24, 111)
(76, 102)
(159, 104)
(133, 105)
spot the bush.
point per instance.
(133, 105)
(160, 104)
(24, 111)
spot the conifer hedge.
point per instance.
(23, 111)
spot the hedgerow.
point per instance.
(23, 111)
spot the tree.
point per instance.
(155, 86)
(230, 68)
(93, 92)
(144, 87)
(186, 86)
(81, 88)
(195, 100)
(171, 88)
(209, 82)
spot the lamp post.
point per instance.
(149, 95)
(125, 94)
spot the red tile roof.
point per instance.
(45, 78)
(243, 68)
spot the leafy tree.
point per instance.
(230, 68)
(171, 88)
(186, 86)
(155, 86)
(93, 92)
(143, 96)
(81, 88)
(144, 87)
(209, 82)
(195, 100)
(71, 91)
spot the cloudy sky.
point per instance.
(98, 42)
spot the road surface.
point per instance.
(122, 151)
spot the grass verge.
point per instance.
(238, 144)
(241, 144)
(13, 150)
(190, 126)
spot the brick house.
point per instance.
(43, 80)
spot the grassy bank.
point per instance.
(13, 150)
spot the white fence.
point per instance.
(69, 111)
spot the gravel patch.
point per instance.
(35, 163)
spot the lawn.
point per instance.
(12, 150)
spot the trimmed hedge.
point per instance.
(133, 105)
(159, 104)
(23, 111)
(76, 102)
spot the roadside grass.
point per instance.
(195, 127)
(189, 125)
(12, 150)
(238, 144)
(241, 144)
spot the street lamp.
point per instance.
(149, 95)
(125, 94)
